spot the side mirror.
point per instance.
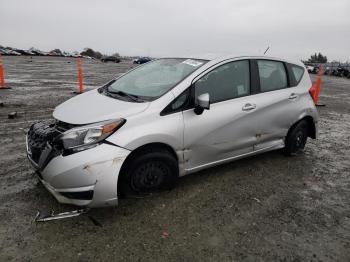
(202, 103)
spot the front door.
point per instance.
(225, 130)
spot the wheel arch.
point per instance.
(312, 132)
(154, 146)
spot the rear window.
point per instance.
(298, 72)
(272, 74)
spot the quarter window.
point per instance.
(225, 82)
(298, 72)
(273, 75)
(181, 101)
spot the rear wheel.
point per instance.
(296, 139)
(149, 171)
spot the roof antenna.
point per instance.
(267, 49)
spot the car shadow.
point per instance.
(237, 173)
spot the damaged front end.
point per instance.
(43, 143)
(75, 163)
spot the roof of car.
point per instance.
(222, 57)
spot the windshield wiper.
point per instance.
(130, 96)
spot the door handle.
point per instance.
(248, 107)
(293, 96)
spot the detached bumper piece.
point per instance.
(44, 218)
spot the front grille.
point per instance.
(37, 139)
(41, 134)
(42, 141)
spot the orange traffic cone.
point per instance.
(318, 87)
(2, 80)
(80, 77)
(80, 73)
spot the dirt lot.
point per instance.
(264, 208)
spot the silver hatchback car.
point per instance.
(168, 118)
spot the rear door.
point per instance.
(277, 104)
(226, 130)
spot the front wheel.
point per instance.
(149, 172)
(296, 139)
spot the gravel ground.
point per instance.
(263, 208)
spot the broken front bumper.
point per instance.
(87, 178)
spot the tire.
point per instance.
(296, 139)
(149, 171)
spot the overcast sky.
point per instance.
(293, 28)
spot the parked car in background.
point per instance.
(142, 60)
(5, 51)
(327, 70)
(36, 52)
(110, 59)
(310, 69)
(342, 72)
(316, 70)
(169, 118)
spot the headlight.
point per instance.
(87, 136)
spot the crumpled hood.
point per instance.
(91, 107)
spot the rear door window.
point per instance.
(272, 75)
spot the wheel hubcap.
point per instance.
(299, 140)
(149, 176)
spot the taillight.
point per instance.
(312, 92)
